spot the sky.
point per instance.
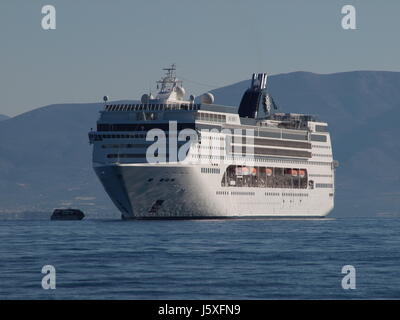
(118, 48)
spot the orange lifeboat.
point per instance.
(268, 171)
(253, 171)
(302, 173)
(245, 171)
(294, 172)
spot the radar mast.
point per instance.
(170, 87)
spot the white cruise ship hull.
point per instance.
(146, 191)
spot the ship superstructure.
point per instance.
(168, 157)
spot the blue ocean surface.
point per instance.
(204, 259)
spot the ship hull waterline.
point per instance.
(180, 192)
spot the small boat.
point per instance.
(67, 214)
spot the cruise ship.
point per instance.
(168, 157)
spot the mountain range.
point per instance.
(45, 158)
(3, 117)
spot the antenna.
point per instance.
(169, 81)
(149, 88)
(105, 99)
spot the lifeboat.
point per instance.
(268, 171)
(302, 173)
(253, 171)
(245, 171)
(239, 171)
(294, 172)
(67, 214)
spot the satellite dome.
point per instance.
(207, 98)
(180, 92)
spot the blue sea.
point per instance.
(217, 259)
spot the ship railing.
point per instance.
(293, 117)
(152, 107)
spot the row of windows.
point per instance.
(203, 116)
(154, 106)
(265, 177)
(210, 147)
(282, 143)
(320, 147)
(283, 135)
(181, 126)
(260, 159)
(272, 133)
(320, 128)
(322, 155)
(318, 137)
(271, 194)
(243, 193)
(295, 194)
(142, 126)
(232, 118)
(290, 161)
(266, 142)
(271, 151)
(320, 175)
(324, 185)
(257, 146)
(123, 136)
(211, 170)
(208, 157)
(212, 137)
(136, 145)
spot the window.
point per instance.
(319, 128)
(318, 137)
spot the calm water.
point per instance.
(241, 259)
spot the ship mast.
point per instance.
(170, 87)
(169, 81)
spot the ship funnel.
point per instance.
(252, 97)
(259, 81)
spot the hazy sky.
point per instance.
(119, 47)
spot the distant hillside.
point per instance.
(3, 117)
(45, 158)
